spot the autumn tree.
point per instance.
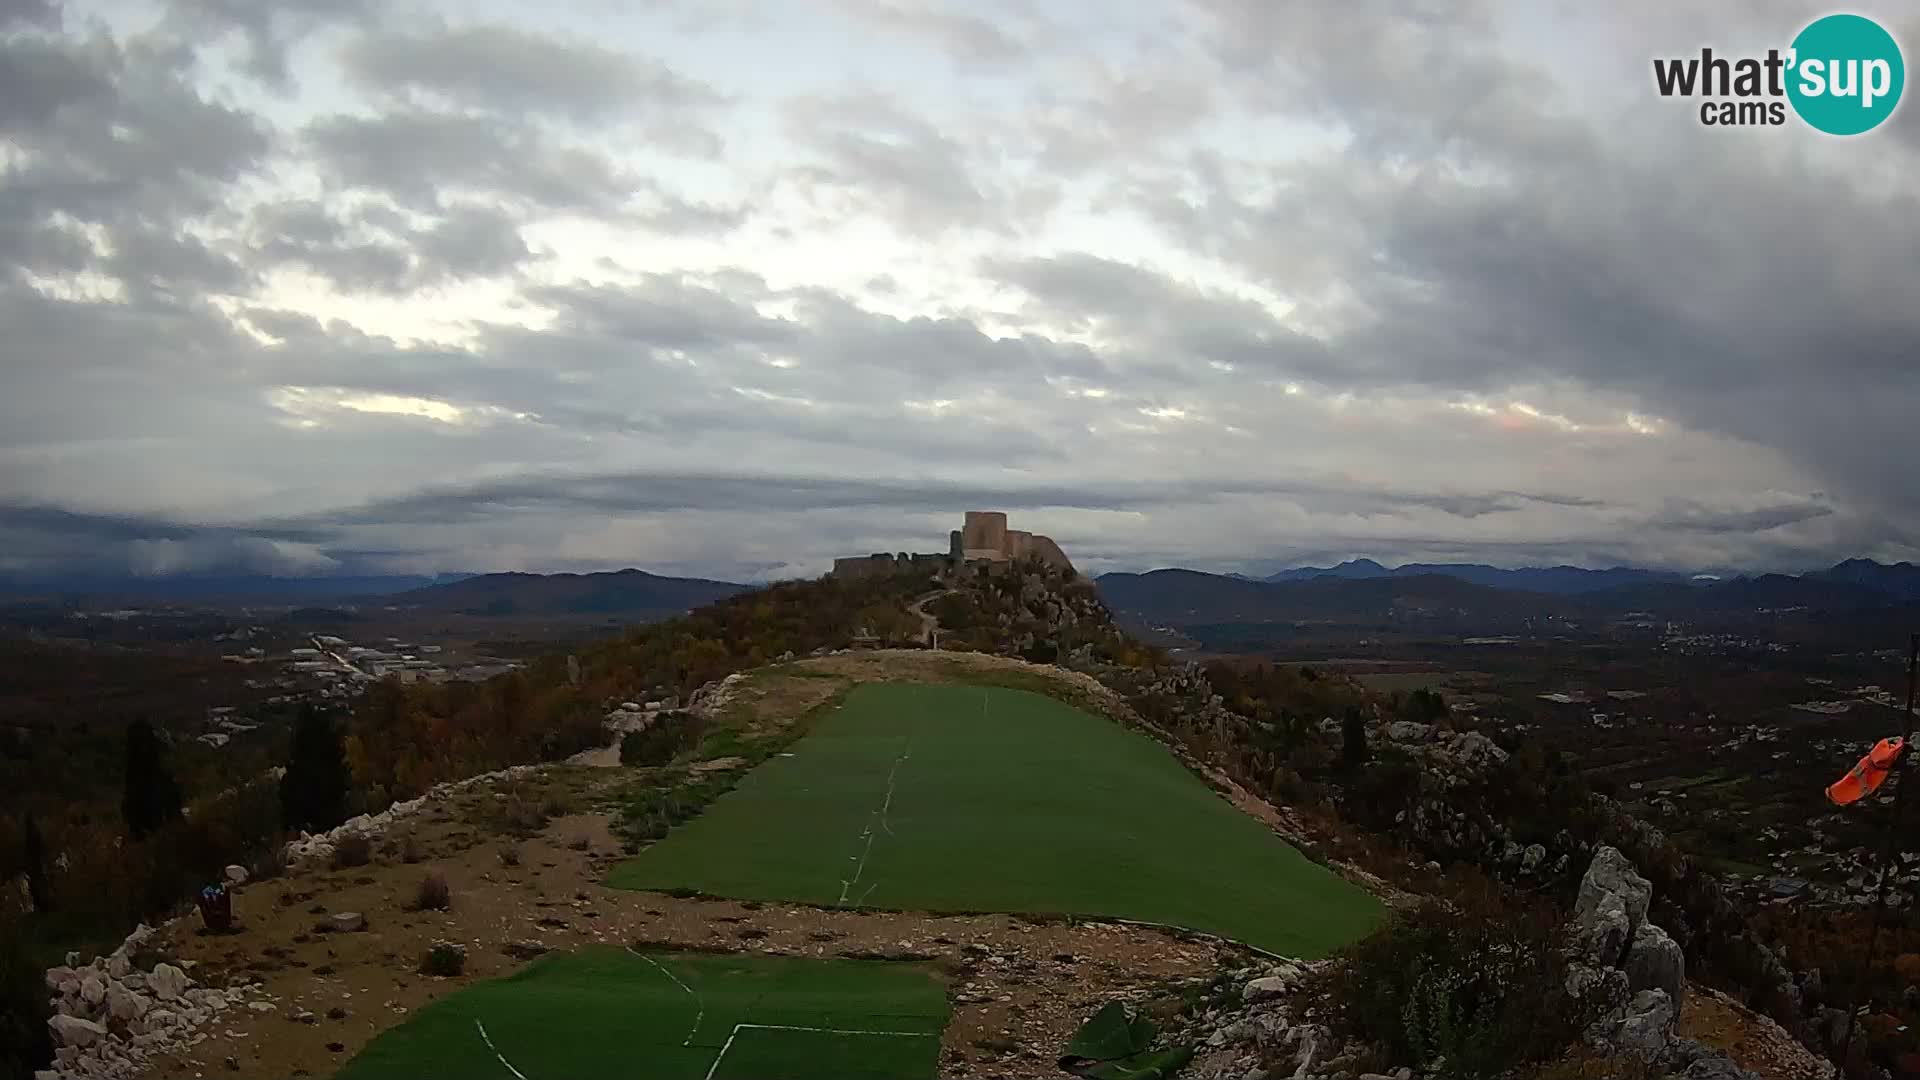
(152, 796)
(313, 793)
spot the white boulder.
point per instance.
(73, 1031)
(168, 982)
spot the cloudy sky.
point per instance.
(730, 287)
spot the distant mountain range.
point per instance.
(626, 593)
(1899, 580)
(1557, 580)
(1363, 591)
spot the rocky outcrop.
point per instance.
(318, 847)
(110, 1018)
(1610, 880)
(1254, 1031)
(1654, 962)
(1635, 973)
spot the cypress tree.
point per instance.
(313, 793)
(152, 796)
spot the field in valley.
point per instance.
(975, 799)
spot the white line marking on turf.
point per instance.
(738, 1028)
(699, 1002)
(496, 1053)
(886, 806)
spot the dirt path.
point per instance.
(929, 624)
(1019, 987)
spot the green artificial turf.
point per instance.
(605, 1012)
(953, 798)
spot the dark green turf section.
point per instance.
(607, 1012)
(1001, 800)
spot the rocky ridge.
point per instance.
(111, 1018)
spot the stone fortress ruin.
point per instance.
(982, 541)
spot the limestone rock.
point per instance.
(1647, 1026)
(1654, 960)
(117, 965)
(236, 875)
(73, 1031)
(1611, 873)
(1606, 988)
(1531, 857)
(1271, 986)
(93, 989)
(347, 922)
(1604, 929)
(1717, 1068)
(124, 1004)
(167, 982)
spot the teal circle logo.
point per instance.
(1846, 74)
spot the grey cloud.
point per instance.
(1160, 316)
(512, 71)
(270, 30)
(422, 157)
(42, 13)
(367, 249)
(965, 35)
(38, 78)
(44, 540)
(881, 158)
(1755, 293)
(1695, 517)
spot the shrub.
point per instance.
(433, 894)
(672, 734)
(444, 958)
(557, 802)
(352, 850)
(409, 849)
(1480, 982)
(519, 814)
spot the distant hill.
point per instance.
(1901, 579)
(1557, 580)
(630, 593)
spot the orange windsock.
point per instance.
(1866, 777)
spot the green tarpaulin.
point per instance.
(1114, 1045)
